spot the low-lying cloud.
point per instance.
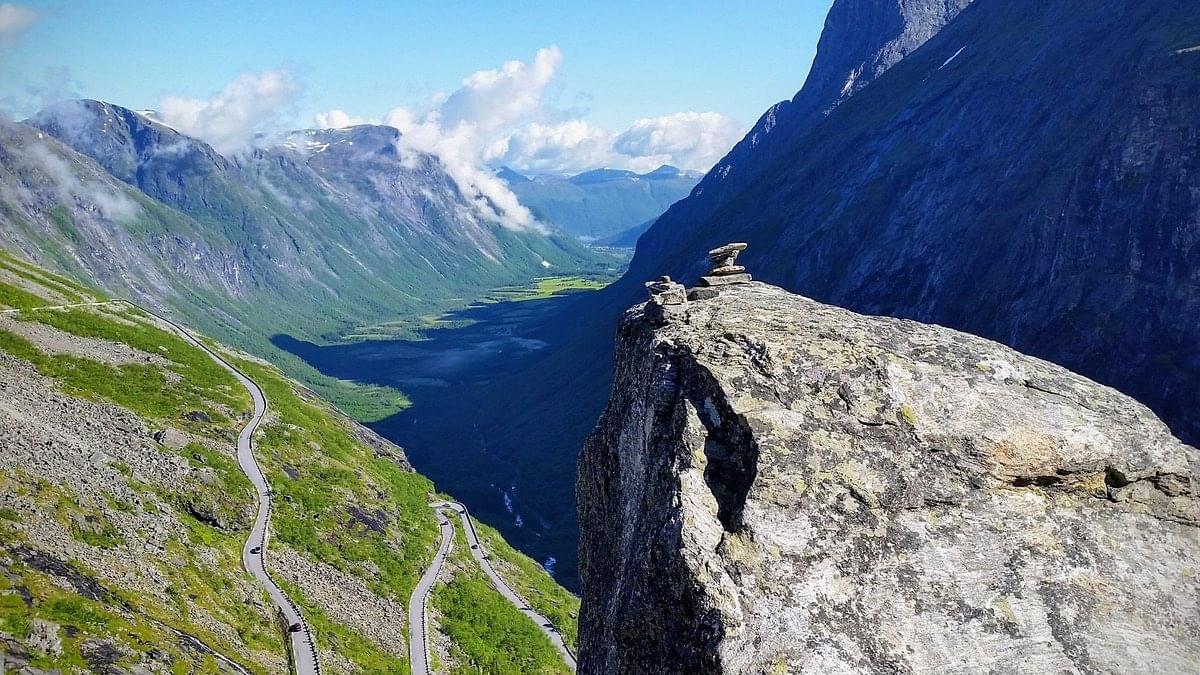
(339, 119)
(504, 116)
(234, 117)
(689, 140)
(111, 203)
(459, 127)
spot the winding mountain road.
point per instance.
(304, 652)
(417, 617)
(418, 638)
(303, 648)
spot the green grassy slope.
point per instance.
(345, 501)
(487, 634)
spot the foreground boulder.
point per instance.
(781, 486)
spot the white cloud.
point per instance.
(493, 100)
(504, 116)
(14, 19)
(231, 119)
(458, 149)
(339, 119)
(459, 127)
(111, 204)
(554, 148)
(689, 140)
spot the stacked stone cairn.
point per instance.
(725, 269)
(667, 299)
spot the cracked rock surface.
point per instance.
(782, 486)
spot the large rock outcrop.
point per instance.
(779, 485)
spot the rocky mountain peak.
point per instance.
(862, 39)
(123, 141)
(358, 141)
(779, 485)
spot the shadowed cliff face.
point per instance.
(779, 485)
(861, 40)
(1030, 174)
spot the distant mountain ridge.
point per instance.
(333, 224)
(598, 204)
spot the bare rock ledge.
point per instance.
(781, 486)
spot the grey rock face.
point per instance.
(781, 486)
(861, 40)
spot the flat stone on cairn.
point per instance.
(725, 269)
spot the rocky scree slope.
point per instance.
(779, 485)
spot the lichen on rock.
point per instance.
(779, 485)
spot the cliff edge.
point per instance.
(782, 486)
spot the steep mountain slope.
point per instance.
(782, 486)
(627, 238)
(123, 509)
(987, 184)
(598, 204)
(861, 40)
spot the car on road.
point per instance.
(549, 625)
(296, 628)
(475, 546)
(256, 550)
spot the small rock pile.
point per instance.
(667, 299)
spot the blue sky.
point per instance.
(616, 62)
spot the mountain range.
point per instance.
(604, 206)
(1025, 171)
(337, 226)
